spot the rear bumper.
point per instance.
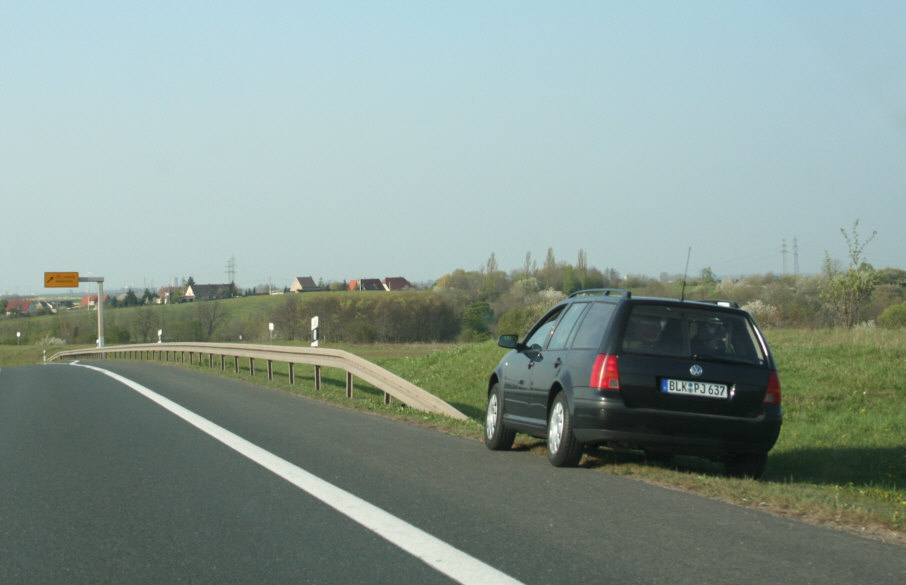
(607, 420)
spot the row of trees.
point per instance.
(847, 296)
(453, 313)
(417, 316)
(473, 305)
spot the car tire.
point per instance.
(496, 436)
(563, 450)
(748, 466)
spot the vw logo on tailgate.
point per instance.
(696, 370)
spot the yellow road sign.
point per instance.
(61, 279)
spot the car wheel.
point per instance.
(563, 450)
(496, 436)
(750, 465)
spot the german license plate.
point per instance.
(690, 388)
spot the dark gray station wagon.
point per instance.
(661, 375)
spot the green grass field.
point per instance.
(840, 459)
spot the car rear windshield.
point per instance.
(685, 332)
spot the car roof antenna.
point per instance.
(685, 274)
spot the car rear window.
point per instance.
(688, 332)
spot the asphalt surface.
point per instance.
(98, 484)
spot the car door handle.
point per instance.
(557, 362)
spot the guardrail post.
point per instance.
(222, 362)
(348, 384)
(292, 373)
(251, 366)
(236, 363)
(270, 370)
(317, 377)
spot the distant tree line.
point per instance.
(475, 305)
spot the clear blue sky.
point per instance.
(146, 141)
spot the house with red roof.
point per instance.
(23, 307)
(366, 284)
(391, 283)
(396, 283)
(91, 301)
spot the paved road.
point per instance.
(100, 484)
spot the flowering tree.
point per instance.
(846, 292)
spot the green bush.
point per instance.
(519, 320)
(476, 322)
(893, 317)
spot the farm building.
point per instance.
(366, 284)
(303, 284)
(396, 283)
(207, 292)
(91, 301)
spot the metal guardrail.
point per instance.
(354, 366)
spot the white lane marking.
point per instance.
(434, 552)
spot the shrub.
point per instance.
(764, 313)
(519, 320)
(893, 317)
(476, 321)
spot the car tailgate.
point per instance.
(694, 386)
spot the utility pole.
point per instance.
(231, 269)
(795, 256)
(783, 253)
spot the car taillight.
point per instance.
(605, 374)
(772, 396)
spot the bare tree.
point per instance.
(210, 315)
(288, 316)
(145, 321)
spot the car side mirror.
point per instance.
(508, 341)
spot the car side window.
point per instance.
(565, 328)
(537, 337)
(591, 330)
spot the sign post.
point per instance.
(72, 280)
(100, 281)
